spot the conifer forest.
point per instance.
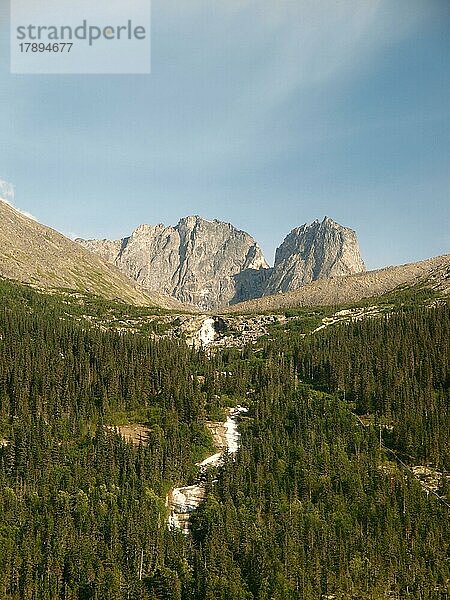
(321, 501)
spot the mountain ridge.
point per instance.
(194, 261)
(432, 272)
(212, 263)
(39, 255)
(36, 254)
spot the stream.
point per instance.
(182, 501)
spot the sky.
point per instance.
(264, 113)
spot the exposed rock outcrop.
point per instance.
(211, 264)
(320, 250)
(196, 262)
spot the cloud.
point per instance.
(70, 234)
(22, 212)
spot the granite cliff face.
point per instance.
(317, 251)
(212, 264)
(196, 262)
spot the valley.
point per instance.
(225, 301)
(130, 469)
(114, 425)
(211, 264)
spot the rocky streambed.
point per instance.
(182, 501)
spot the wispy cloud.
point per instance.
(22, 212)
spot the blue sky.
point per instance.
(263, 113)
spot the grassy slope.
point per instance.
(36, 254)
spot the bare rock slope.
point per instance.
(197, 262)
(319, 250)
(36, 254)
(211, 264)
(433, 273)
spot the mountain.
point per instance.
(36, 254)
(197, 262)
(207, 264)
(319, 250)
(211, 264)
(433, 273)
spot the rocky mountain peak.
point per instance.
(197, 261)
(319, 250)
(211, 264)
(145, 229)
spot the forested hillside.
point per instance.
(395, 368)
(314, 506)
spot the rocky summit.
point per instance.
(212, 264)
(320, 250)
(198, 261)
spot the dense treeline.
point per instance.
(396, 368)
(311, 508)
(82, 513)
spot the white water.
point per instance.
(184, 500)
(207, 332)
(211, 461)
(232, 434)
